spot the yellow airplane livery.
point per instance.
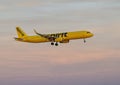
(55, 38)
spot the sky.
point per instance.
(96, 62)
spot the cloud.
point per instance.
(60, 9)
(61, 56)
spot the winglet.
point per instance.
(37, 32)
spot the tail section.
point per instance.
(20, 32)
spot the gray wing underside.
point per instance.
(50, 38)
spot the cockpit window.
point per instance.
(88, 32)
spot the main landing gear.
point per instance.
(56, 44)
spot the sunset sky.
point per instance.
(96, 62)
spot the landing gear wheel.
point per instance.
(56, 44)
(52, 43)
(84, 41)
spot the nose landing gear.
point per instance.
(84, 41)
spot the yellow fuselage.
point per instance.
(60, 37)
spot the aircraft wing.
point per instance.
(51, 38)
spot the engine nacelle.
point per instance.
(64, 41)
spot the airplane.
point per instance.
(55, 38)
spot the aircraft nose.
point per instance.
(92, 34)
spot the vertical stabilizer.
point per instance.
(20, 32)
